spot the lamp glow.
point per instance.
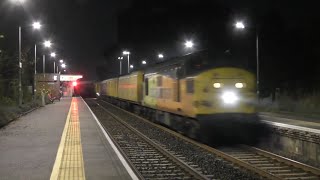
(47, 44)
(53, 54)
(125, 52)
(36, 25)
(239, 25)
(229, 97)
(188, 44)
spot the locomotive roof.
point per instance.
(177, 60)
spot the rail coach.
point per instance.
(186, 94)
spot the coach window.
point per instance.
(146, 83)
(190, 85)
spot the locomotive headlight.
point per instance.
(239, 85)
(229, 97)
(217, 85)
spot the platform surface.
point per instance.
(59, 141)
(289, 121)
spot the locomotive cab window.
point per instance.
(190, 85)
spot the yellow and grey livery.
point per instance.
(185, 93)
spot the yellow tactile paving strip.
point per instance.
(69, 160)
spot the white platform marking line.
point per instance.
(292, 126)
(123, 161)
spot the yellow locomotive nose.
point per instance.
(229, 97)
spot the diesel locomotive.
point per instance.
(187, 94)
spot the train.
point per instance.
(187, 94)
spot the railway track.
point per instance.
(271, 165)
(260, 162)
(149, 159)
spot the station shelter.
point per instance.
(56, 84)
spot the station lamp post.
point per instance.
(61, 61)
(20, 2)
(240, 25)
(1, 37)
(63, 65)
(47, 44)
(37, 26)
(53, 55)
(120, 61)
(127, 53)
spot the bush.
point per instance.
(9, 113)
(308, 103)
(6, 101)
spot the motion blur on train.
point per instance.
(190, 95)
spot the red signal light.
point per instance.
(74, 83)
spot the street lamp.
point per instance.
(188, 44)
(127, 53)
(1, 37)
(20, 61)
(120, 61)
(240, 25)
(47, 44)
(144, 62)
(53, 55)
(160, 56)
(61, 61)
(37, 26)
(63, 65)
(131, 66)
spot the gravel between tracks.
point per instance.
(209, 164)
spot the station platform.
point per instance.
(63, 140)
(293, 122)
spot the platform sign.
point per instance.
(64, 77)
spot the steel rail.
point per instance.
(245, 164)
(188, 169)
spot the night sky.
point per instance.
(91, 34)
